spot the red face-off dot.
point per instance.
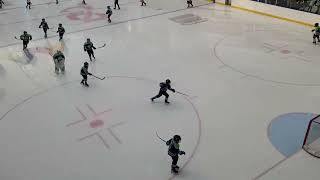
(285, 51)
(96, 123)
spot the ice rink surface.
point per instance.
(238, 71)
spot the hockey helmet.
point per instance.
(176, 138)
(168, 81)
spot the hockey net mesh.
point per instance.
(311, 142)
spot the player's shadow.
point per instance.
(29, 55)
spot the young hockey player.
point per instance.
(88, 46)
(109, 13)
(164, 86)
(25, 37)
(28, 4)
(44, 26)
(60, 31)
(174, 152)
(84, 73)
(316, 34)
(116, 3)
(1, 2)
(84, 2)
(143, 3)
(189, 2)
(57, 2)
(59, 59)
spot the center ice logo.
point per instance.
(85, 14)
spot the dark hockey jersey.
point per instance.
(88, 46)
(61, 30)
(26, 37)
(164, 87)
(84, 71)
(44, 25)
(173, 149)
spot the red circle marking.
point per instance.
(96, 123)
(285, 51)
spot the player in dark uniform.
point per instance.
(143, 3)
(28, 4)
(116, 3)
(189, 2)
(61, 31)
(57, 2)
(84, 2)
(1, 2)
(109, 13)
(316, 34)
(44, 26)
(25, 37)
(164, 86)
(174, 152)
(59, 59)
(88, 46)
(84, 73)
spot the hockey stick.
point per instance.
(101, 46)
(160, 137)
(16, 38)
(98, 77)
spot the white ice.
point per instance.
(240, 71)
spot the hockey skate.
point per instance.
(175, 169)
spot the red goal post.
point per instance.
(311, 143)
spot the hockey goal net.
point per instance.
(311, 143)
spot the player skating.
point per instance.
(174, 152)
(84, 73)
(109, 13)
(164, 86)
(28, 4)
(88, 46)
(316, 34)
(116, 3)
(1, 2)
(189, 2)
(25, 37)
(45, 27)
(60, 31)
(57, 2)
(143, 3)
(84, 2)
(59, 59)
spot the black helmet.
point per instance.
(60, 24)
(43, 19)
(168, 81)
(24, 32)
(176, 138)
(316, 24)
(86, 64)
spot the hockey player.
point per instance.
(25, 37)
(1, 2)
(57, 1)
(316, 34)
(84, 2)
(116, 3)
(143, 3)
(189, 2)
(164, 86)
(60, 31)
(88, 46)
(174, 152)
(109, 13)
(59, 59)
(44, 26)
(84, 73)
(28, 4)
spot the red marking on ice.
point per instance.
(96, 123)
(84, 14)
(285, 51)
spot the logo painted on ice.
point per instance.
(83, 13)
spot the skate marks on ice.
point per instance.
(268, 53)
(188, 19)
(105, 123)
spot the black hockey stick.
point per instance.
(160, 137)
(101, 46)
(185, 94)
(98, 77)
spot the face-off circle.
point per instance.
(260, 55)
(105, 131)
